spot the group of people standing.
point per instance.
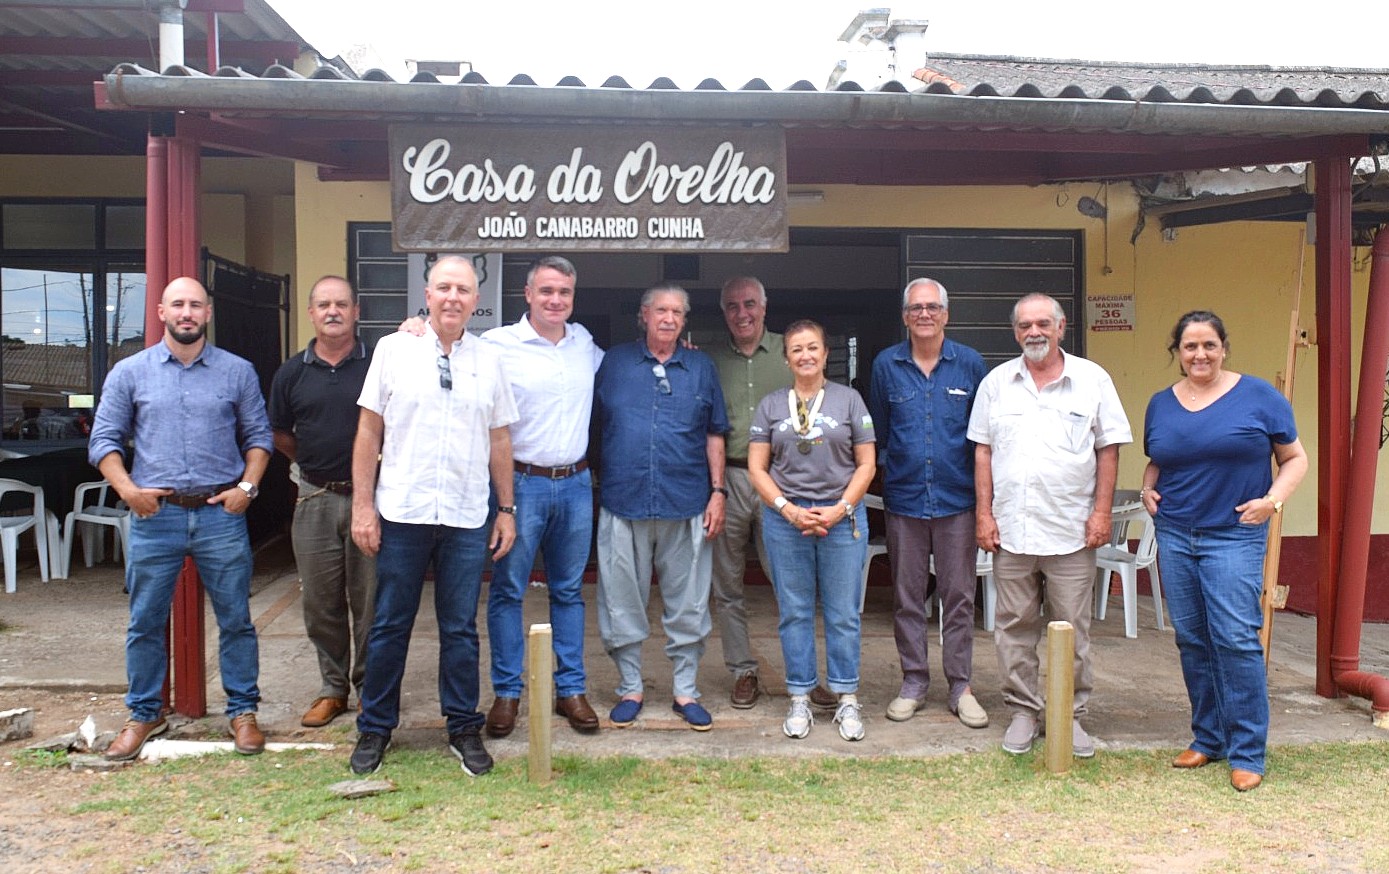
(441, 449)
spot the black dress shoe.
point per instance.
(576, 709)
(501, 719)
(371, 748)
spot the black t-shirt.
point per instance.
(318, 405)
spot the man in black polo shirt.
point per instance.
(313, 411)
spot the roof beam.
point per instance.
(262, 143)
(264, 51)
(1246, 154)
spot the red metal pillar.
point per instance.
(156, 233)
(1333, 178)
(189, 639)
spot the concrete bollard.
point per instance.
(540, 683)
(1061, 648)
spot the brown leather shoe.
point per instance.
(576, 709)
(745, 691)
(323, 711)
(1243, 781)
(1191, 759)
(131, 740)
(824, 698)
(247, 737)
(501, 719)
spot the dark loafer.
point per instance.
(745, 691)
(576, 709)
(501, 719)
(694, 714)
(824, 698)
(625, 713)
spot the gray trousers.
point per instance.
(628, 551)
(1069, 591)
(339, 587)
(742, 523)
(910, 545)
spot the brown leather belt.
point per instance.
(192, 500)
(564, 472)
(736, 462)
(337, 487)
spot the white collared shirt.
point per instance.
(1043, 450)
(437, 443)
(553, 386)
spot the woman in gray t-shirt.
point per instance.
(811, 458)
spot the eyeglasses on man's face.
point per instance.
(659, 371)
(916, 309)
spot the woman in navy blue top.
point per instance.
(1211, 491)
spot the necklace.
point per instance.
(803, 418)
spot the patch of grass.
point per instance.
(1120, 812)
(42, 758)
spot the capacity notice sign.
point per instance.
(1110, 312)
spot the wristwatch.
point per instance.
(1277, 504)
(779, 502)
(721, 490)
(251, 489)
(507, 508)
(848, 509)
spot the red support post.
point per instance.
(156, 233)
(1333, 201)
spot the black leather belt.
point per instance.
(192, 499)
(564, 472)
(736, 462)
(337, 487)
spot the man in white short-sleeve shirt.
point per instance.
(1047, 428)
(435, 410)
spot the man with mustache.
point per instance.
(661, 415)
(1047, 428)
(201, 442)
(313, 412)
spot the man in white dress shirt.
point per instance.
(1047, 428)
(549, 363)
(435, 411)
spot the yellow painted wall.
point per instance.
(1247, 272)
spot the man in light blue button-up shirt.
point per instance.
(201, 439)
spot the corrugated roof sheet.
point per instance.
(1003, 76)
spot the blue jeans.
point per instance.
(458, 555)
(1212, 578)
(217, 542)
(555, 517)
(832, 568)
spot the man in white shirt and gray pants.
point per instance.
(1047, 428)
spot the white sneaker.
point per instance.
(901, 709)
(799, 718)
(1082, 746)
(970, 712)
(849, 719)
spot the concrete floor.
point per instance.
(68, 635)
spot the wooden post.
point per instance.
(1061, 648)
(540, 681)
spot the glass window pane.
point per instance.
(49, 225)
(125, 226)
(47, 324)
(125, 314)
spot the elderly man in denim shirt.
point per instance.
(202, 441)
(920, 399)
(661, 415)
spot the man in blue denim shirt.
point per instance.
(661, 415)
(920, 399)
(202, 441)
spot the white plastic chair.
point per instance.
(13, 526)
(1116, 558)
(91, 517)
(876, 546)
